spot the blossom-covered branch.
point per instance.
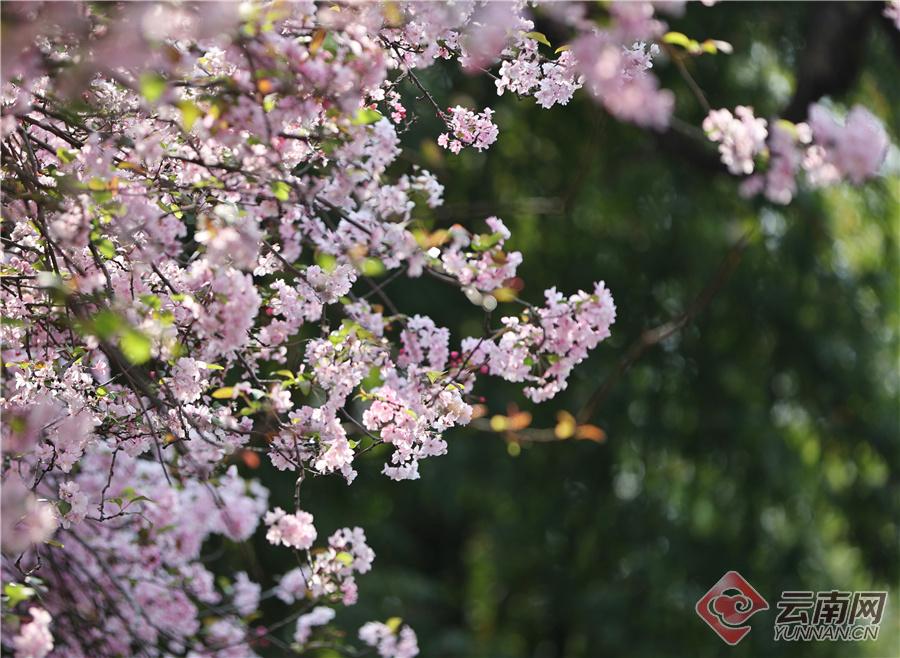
(204, 207)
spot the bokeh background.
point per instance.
(762, 438)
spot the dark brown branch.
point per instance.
(656, 335)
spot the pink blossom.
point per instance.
(319, 616)
(468, 129)
(167, 608)
(292, 530)
(559, 83)
(480, 261)
(246, 594)
(424, 344)
(189, 379)
(353, 541)
(229, 317)
(231, 189)
(77, 502)
(741, 137)
(26, 519)
(553, 342)
(857, 147)
(34, 639)
(487, 32)
(617, 74)
(390, 643)
(291, 586)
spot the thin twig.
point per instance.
(653, 336)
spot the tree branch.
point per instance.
(656, 335)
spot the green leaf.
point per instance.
(372, 267)
(326, 261)
(224, 393)
(104, 324)
(344, 558)
(16, 593)
(106, 248)
(65, 155)
(562, 49)
(152, 301)
(178, 350)
(434, 375)
(153, 86)
(189, 114)
(364, 116)
(136, 346)
(214, 366)
(64, 506)
(484, 242)
(373, 379)
(166, 318)
(281, 190)
(540, 37)
(678, 39)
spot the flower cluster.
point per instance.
(331, 574)
(827, 150)
(612, 63)
(319, 616)
(545, 344)
(468, 129)
(853, 149)
(196, 273)
(27, 520)
(478, 262)
(245, 597)
(741, 137)
(292, 530)
(34, 639)
(390, 640)
(525, 74)
(615, 65)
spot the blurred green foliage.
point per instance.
(762, 438)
